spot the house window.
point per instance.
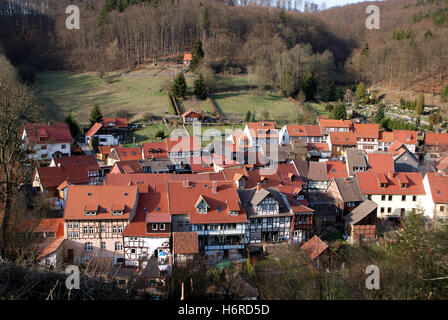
(442, 208)
(43, 147)
(103, 245)
(403, 198)
(63, 146)
(114, 229)
(120, 229)
(75, 225)
(414, 198)
(75, 235)
(90, 230)
(390, 198)
(383, 185)
(162, 226)
(103, 228)
(69, 225)
(383, 198)
(88, 246)
(132, 250)
(50, 234)
(85, 230)
(44, 156)
(154, 226)
(389, 210)
(382, 209)
(118, 246)
(69, 235)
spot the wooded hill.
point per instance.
(408, 52)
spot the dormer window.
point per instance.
(117, 212)
(383, 185)
(404, 185)
(233, 213)
(201, 205)
(90, 213)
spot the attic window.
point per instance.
(233, 213)
(219, 208)
(125, 194)
(90, 213)
(124, 154)
(117, 212)
(383, 185)
(158, 209)
(404, 185)
(89, 194)
(438, 192)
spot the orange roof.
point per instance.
(183, 197)
(439, 187)
(331, 123)
(127, 166)
(367, 130)
(272, 180)
(381, 162)
(50, 245)
(89, 161)
(152, 207)
(386, 137)
(369, 183)
(314, 247)
(115, 122)
(433, 139)
(105, 150)
(130, 153)
(185, 243)
(188, 112)
(288, 174)
(262, 129)
(231, 173)
(299, 130)
(318, 146)
(182, 144)
(336, 169)
(102, 197)
(405, 136)
(343, 138)
(94, 129)
(187, 57)
(57, 132)
(154, 150)
(52, 177)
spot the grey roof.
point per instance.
(157, 164)
(317, 171)
(355, 158)
(252, 198)
(280, 153)
(349, 189)
(360, 212)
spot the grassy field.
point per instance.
(143, 91)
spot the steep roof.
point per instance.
(55, 132)
(336, 169)
(405, 136)
(355, 158)
(343, 138)
(267, 180)
(81, 198)
(184, 144)
(360, 212)
(184, 195)
(349, 189)
(381, 162)
(330, 123)
(314, 247)
(367, 130)
(317, 171)
(386, 137)
(152, 208)
(262, 129)
(155, 150)
(50, 245)
(89, 161)
(130, 153)
(439, 187)
(51, 177)
(185, 243)
(105, 150)
(94, 129)
(128, 166)
(369, 183)
(187, 57)
(299, 130)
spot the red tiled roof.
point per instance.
(155, 150)
(188, 112)
(434, 139)
(405, 136)
(369, 183)
(381, 162)
(439, 187)
(201, 164)
(229, 173)
(103, 197)
(105, 150)
(185, 243)
(262, 129)
(182, 200)
(55, 225)
(288, 174)
(94, 129)
(156, 205)
(336, 169)
(330, 123)
(131, 153)
(314, 247)
(222, 162)
(255, 176)
(57, 132)
(343, 138)
(187, 57)
(318, 146)
(299, 130)
(128, 166)
(367, 130)
(89, 161)
(51, 177)
(386, 137)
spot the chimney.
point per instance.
(214, 186)
(186, 183)
(59, 165)
(258, 186)
(390, 175)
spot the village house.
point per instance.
(346, 194)
(355, 161)
(187, 59)
(404, 160)
(360, 224)
(124, 154)
(367, 135)
(338, 142)
(104, 151)
(328, 125)
(320, 253)
(394, 193)
(185, 247)
(89, 161)
(317, 177)
(47, 140)
(260, 133)
(306, 133)
(111, 131)
(183, 148)
(190, 116)
(148, 234)
(213, 210)
(154, 150)
(94, 220)
(336, 169)
(316, 151)
(50, 232)
(407, 137)
(385, 139)
(436, 204)
(435, 145)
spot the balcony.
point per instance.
(224, 247)
(221, 232)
